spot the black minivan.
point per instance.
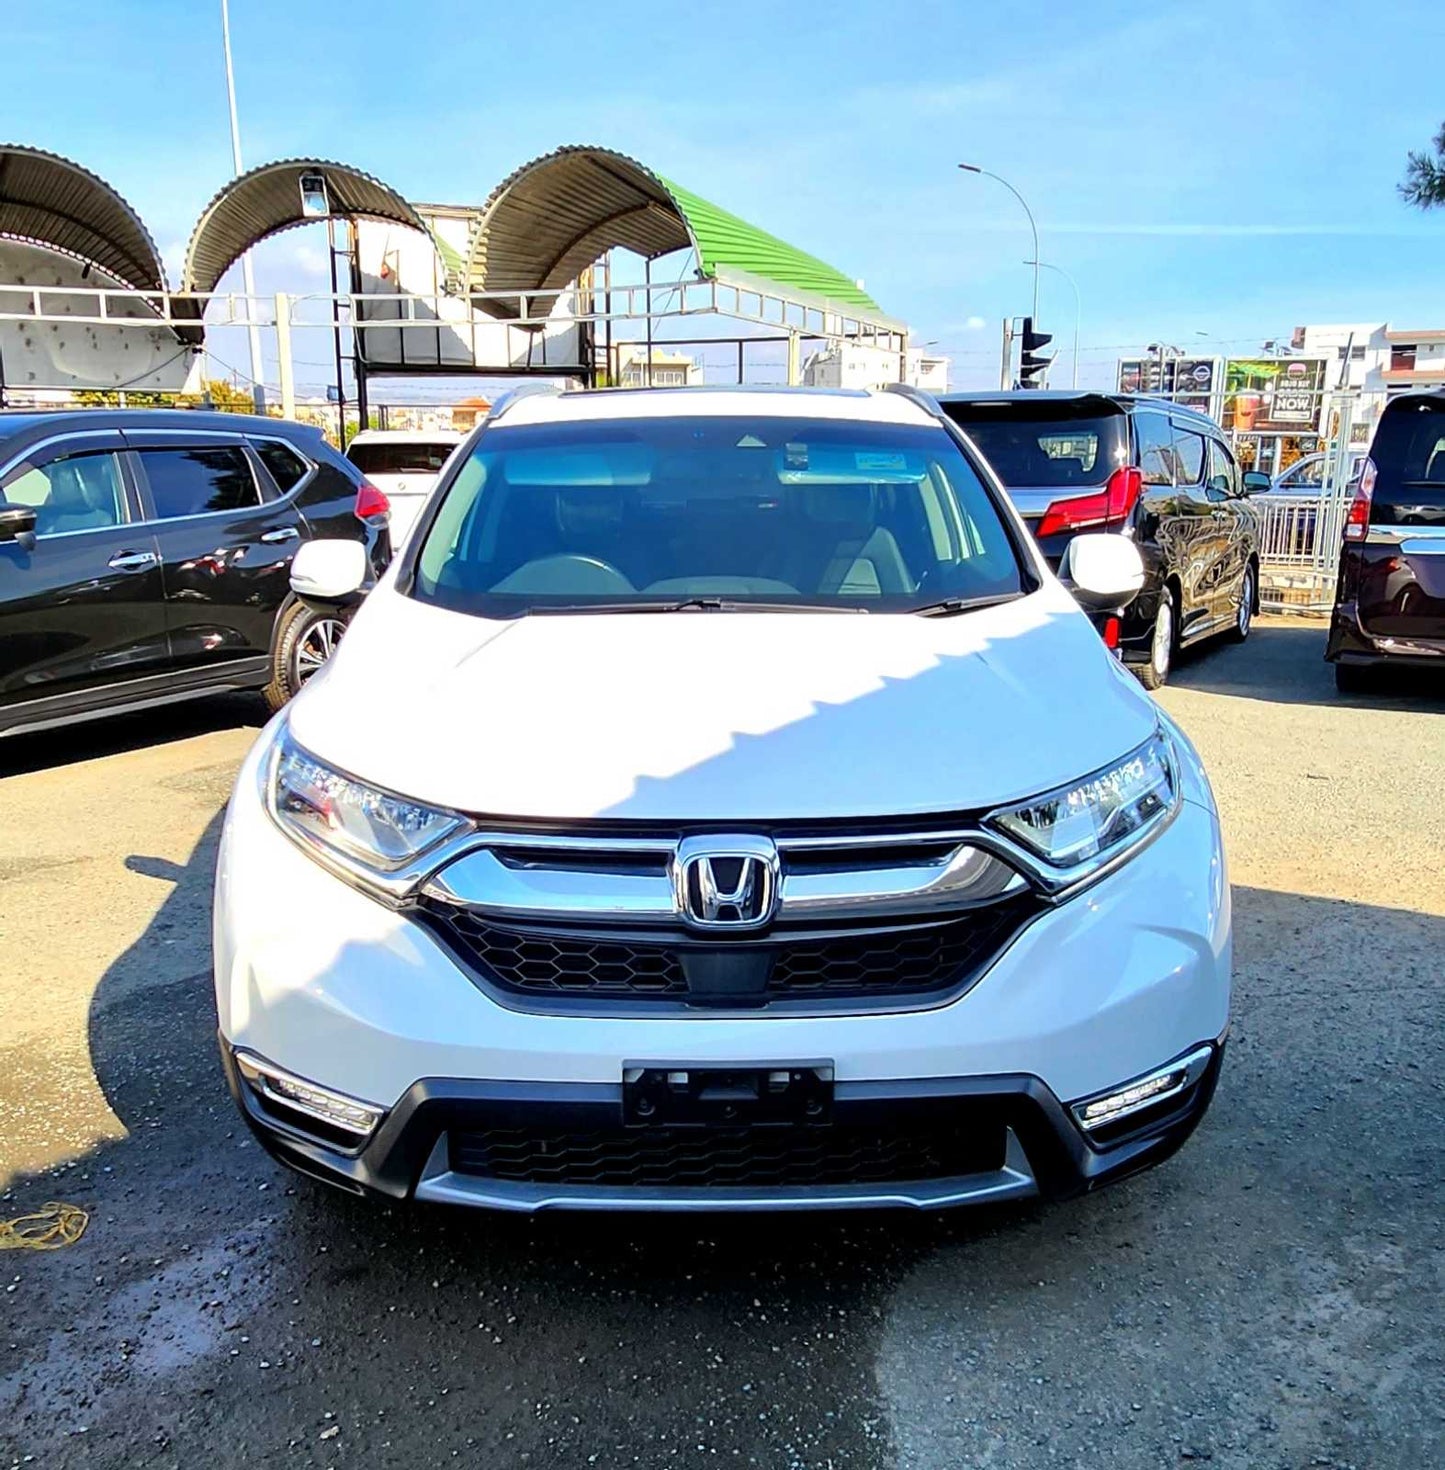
(1161, 473)
(145, 557)
(1390, 596)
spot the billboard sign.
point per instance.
(1273, 394)
(1187, 380)
(1194, 382)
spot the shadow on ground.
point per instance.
(1267, 1296)
(1286, 665)
(112, 734)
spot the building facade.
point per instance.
(858, 366)
(1378, 360)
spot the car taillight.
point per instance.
(370, 502)
(1113, 503)
(1357, 521)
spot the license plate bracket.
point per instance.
(727, 1097)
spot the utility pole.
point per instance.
(1005, 362)
(248, 278)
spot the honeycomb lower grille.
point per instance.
(543, 963)
(774, 1157)
(899, 963)
(848, 967)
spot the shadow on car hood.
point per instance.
(721, 717)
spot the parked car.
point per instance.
(1390, 596)
(719, 841)
(145, 555)
(403, 464)
(1306, 476)
(1161, 474)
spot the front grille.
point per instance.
(764, 1157)
(545, 964)
(848, 966)
(899, 963)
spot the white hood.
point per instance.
(721, 717)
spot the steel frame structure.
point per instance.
(793, 317)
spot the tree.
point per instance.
(224, 396)
(1424, 182)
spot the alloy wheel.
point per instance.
(1161, 651)
(315, 645)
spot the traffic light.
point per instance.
(1033, 366)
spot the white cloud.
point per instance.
(1220, 230)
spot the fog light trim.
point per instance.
(274, 1084)
(1143, 1092)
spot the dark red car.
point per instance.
(1390, 597)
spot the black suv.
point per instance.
(145, 557)
(1074, 461)
(1390, 598)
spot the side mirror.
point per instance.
(1256, 483)
(17, 523)
(329, 573)
(1104, 571)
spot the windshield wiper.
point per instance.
(950, 606)
(690, 604)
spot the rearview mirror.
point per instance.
(1104, 571)
(17, 523)
(329, 572)
(1255, 483)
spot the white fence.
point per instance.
(1299, 535)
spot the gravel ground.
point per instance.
(1270, 1297)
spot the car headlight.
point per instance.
(1080, 828)
(335, 815)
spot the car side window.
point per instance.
(1156, 448)
(1223, 475)
(70, 492)
(282, 462)
(1189, 456)
(199, 480)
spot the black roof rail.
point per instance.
(522, 390)
(926, 401)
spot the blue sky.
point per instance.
(1210, 175)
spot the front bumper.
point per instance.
(338, 989)
(1041, 1153)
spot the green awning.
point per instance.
(727, 244)
(558, 214)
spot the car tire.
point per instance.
(305, 639)
(1354, 679)
(1154, 672)
(1244, 615)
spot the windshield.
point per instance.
(407, 458)
(1045, 446)
(734, 510)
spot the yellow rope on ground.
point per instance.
(52, 1227)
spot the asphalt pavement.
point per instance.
(1268, 1298)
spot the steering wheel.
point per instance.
(564, 574)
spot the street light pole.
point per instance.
(973, 168)
(248, 279)
(1059, 270)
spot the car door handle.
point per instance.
(132, 561)
(280, 533)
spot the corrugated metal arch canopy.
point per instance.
(267, 200)
(51, 201)
(554, 216)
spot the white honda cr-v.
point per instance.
(721, 805)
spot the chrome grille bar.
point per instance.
(631, 882)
